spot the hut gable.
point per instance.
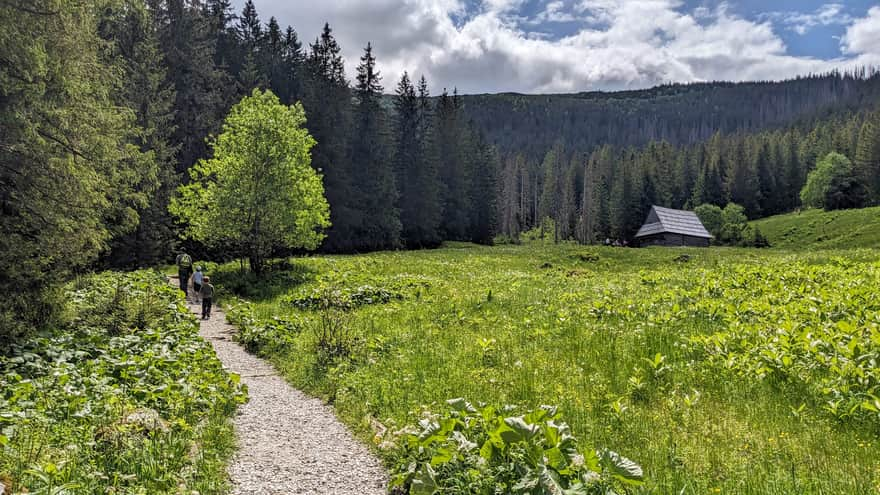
(668, 227)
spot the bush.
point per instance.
(490, 450)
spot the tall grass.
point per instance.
(603, 333)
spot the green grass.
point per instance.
(123, 397)
(576, 327)
(819, 229)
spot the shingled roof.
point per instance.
(662, 220)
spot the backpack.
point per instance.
(185, 261)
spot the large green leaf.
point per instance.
(521, 427)
(423, 481)
(621, 468)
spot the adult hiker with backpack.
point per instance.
(184, 267)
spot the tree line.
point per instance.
(679, 114)
(603, 193)
(406, 176)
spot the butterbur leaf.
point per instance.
(550, 482)
(423, 481)
(519, 425)
(442, 455)
(429, 429)
(487, 450)
(527, 483)
(556, 459)
(621, 468)
(463, 443)
(461, 405)
(577, 489)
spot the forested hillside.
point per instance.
(606, 192)
(679, 114)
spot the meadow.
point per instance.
(718, 371)
(816, 229)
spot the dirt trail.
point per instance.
(289, 443)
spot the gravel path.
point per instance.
(289, 443)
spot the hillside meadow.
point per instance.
(818, 229)
(718, 371)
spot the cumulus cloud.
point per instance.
(490, 47)
(863, 36)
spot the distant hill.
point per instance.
(677, 113)
(818, 229)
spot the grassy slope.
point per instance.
(818, 229)
(515, 325)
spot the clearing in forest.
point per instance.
(725, 370)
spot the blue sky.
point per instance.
(579, 45)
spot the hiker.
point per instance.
(198, 278)
(184, 266)
(207, 295)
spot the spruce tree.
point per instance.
(327, 104)
(188, 46)
(415, 167)
(741, 180)
(272, 48)
(484, 204)
(68, 170)
(867, 157)
(767, 193)
(453, 146)
(250, 38)
(294, 62)
(147, 93)
(372, 173)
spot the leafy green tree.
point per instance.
(712, 218)
(733, 223)
(258, 192)
(845, 191)
(834, 168)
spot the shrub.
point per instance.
(487, 450)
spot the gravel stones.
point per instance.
(289, 443)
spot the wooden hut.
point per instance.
(668, 227)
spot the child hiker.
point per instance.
(207, 294)
(198, 279)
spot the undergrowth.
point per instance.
(122, 398)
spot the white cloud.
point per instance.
(622, 44)
(799, 22)
(863, 36)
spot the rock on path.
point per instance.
(289, 443)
